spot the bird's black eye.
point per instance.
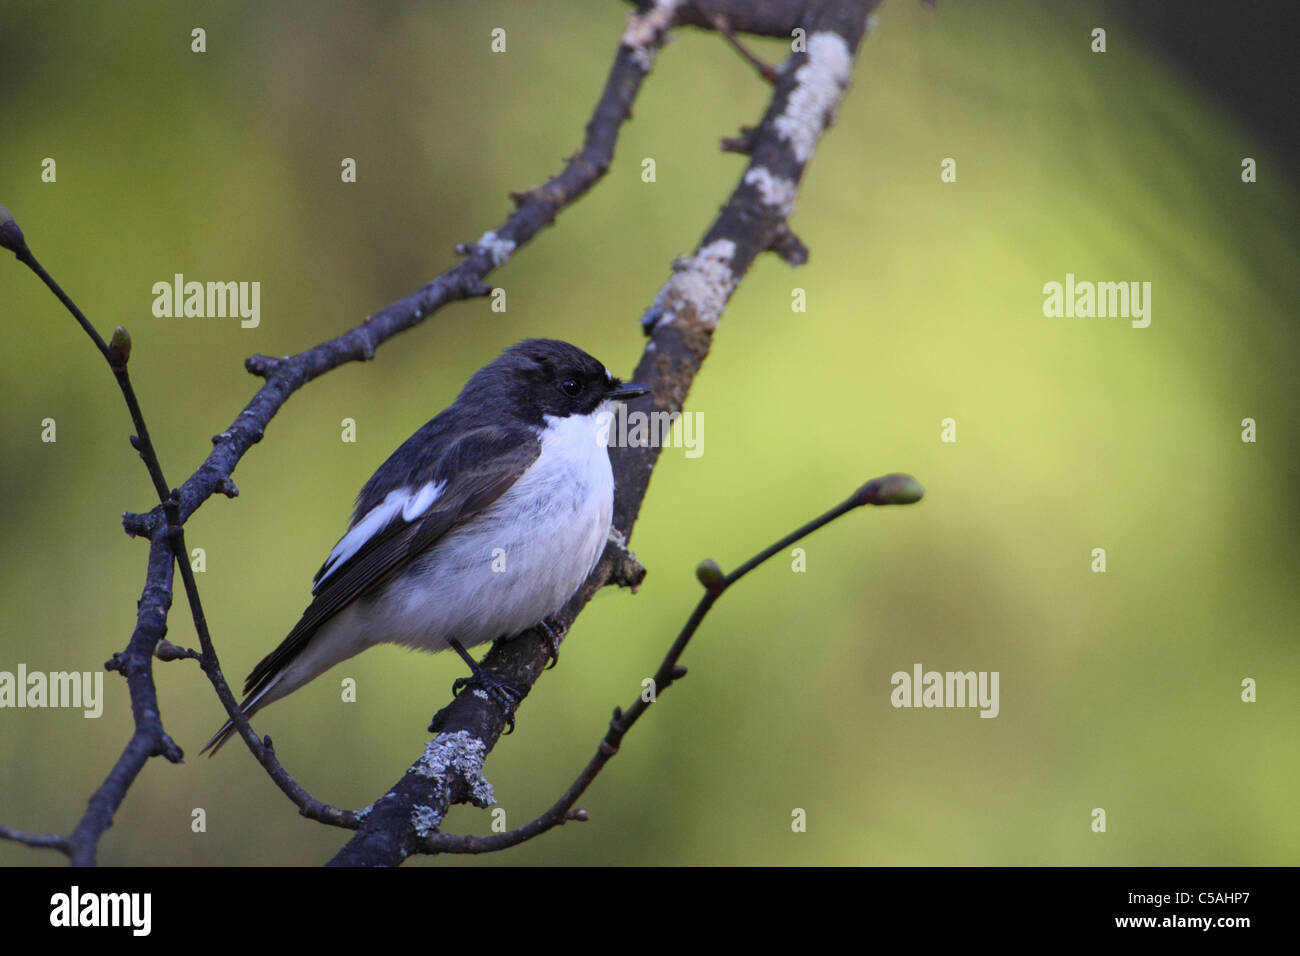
(571, 387)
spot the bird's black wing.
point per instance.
(476, 469)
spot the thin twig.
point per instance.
(135, 663)
(116, 355)
(45, 841)
(723, 26)
(893, 489)
(308, 806)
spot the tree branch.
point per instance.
(163, 524)
(149, 738)
(889, 490)
(136, 662)
(680, 326)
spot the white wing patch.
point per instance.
(419, 502)
(409, 503)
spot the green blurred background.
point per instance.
(1118, 690)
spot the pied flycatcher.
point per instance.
(480, 526)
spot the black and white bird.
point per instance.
(481, 525)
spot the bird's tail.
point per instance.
(251, 705)
(301, 657)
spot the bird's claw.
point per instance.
(504, 694)
(551, 631)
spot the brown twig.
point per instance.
(719, 23)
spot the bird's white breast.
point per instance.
(517, 561)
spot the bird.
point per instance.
(480, 526)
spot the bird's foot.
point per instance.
(501, 692)
(551, 630)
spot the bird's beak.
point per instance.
(628, 390)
